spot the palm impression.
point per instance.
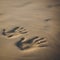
(15, 32)
(31, 43)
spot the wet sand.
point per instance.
(29, 30)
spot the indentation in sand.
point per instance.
(14, 32)
(32, 42)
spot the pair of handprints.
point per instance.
(23, 43)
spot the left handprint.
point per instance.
(14, 32)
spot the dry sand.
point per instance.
(29, 30)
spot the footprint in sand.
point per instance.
(14, 32)
(31, 43)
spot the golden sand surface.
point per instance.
(29, 30)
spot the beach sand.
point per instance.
(29, 30)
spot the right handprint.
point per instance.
(31, 43)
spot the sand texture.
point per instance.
(29, 30)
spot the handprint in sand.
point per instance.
(14, 32)
(31, 43)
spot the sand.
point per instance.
(29, 30)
